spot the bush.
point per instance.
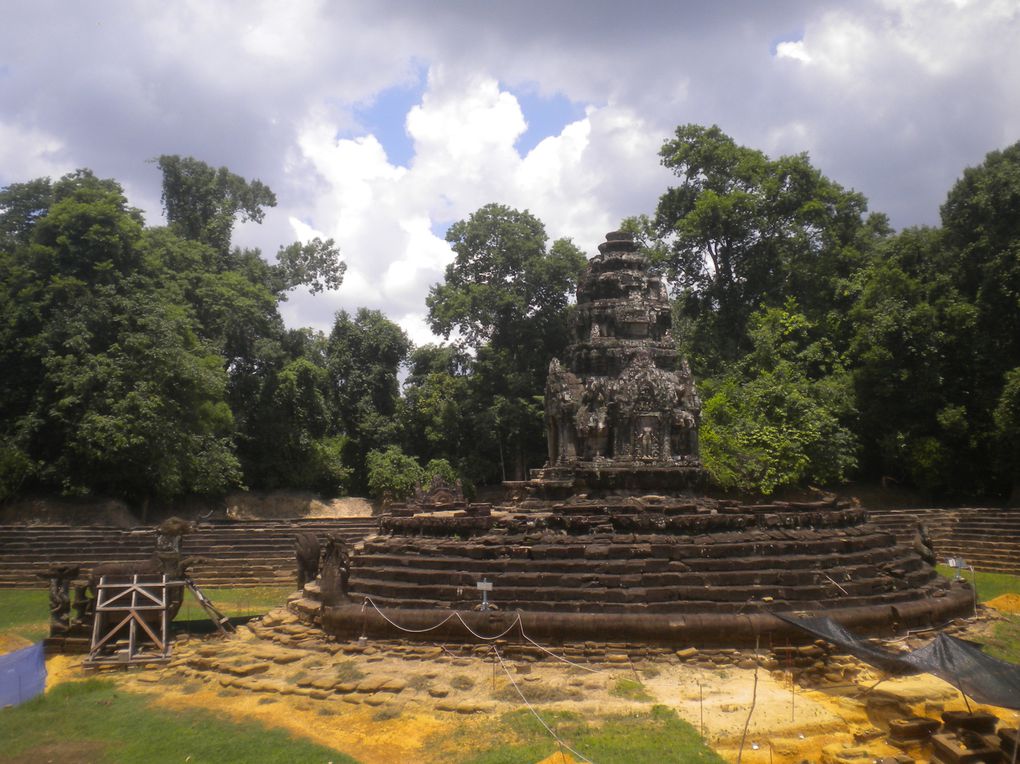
(442, 469)
(392, 473)
(15, 467)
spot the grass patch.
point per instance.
(348, 671)
(96, 722)
(1004, 643)
(989, 585)
(535, 692)
(631, 689)
(386, 713)
(462, 682)
(646, 738)
(236, 602)
(25, 613)
(419, 682)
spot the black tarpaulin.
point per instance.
(962, 664)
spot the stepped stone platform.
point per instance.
(987, 538)
(255, 553)
(657, 569)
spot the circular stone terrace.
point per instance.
(653, 569)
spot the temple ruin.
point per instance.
(614, 539)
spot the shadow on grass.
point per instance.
(94, 721)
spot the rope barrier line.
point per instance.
(531, 708)
(398, 626)
(558, 657)
(517, 622)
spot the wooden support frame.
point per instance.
(124, 601)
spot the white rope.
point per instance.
(531, 708)
(554, 655)
(517, 622)
(398, 626)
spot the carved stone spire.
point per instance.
(624, 404)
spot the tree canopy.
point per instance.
(144, 361)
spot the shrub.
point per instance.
(392, 473)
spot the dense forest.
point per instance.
(152, 362)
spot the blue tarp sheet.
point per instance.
(22, 675)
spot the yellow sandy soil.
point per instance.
(1007, 603)
(11, 642)
(788, 724)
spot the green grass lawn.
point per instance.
(989, 585)
(648, 737)
(25, 612)
(94, 721)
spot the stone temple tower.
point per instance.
(611, 541)
(622, 410)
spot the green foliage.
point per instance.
(363, 356)
(315, 264)
(113, 391)
(630, 689)
(202, 203)
(742, 230)
(153, 362)
(96, 721)
(392, 473)
(439, 468)
(505, 294)
(15, 468)
(776, 418)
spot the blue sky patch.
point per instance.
(795, 36)
(386, 116)
(545, 115)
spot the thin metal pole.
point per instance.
(701, 693)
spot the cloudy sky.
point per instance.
(380, 123)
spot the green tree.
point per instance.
(779, 417)
(741, 231)
(202, 203)
(506, 296)
(235, 296)
(364, 355)
(392, 474)
(436, 410)
(914, 361)
(115, 392)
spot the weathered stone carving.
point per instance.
(307, 553)
(336, 570)
(439, 493)
(624, 397)
(60, 601)
(923, 544)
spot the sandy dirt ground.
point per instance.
(1005, 603)
(387, 702)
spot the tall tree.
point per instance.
(741, 231)
(506, 295)
(936, 340)
(364, 355)
(114, 392)
(203, 203)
